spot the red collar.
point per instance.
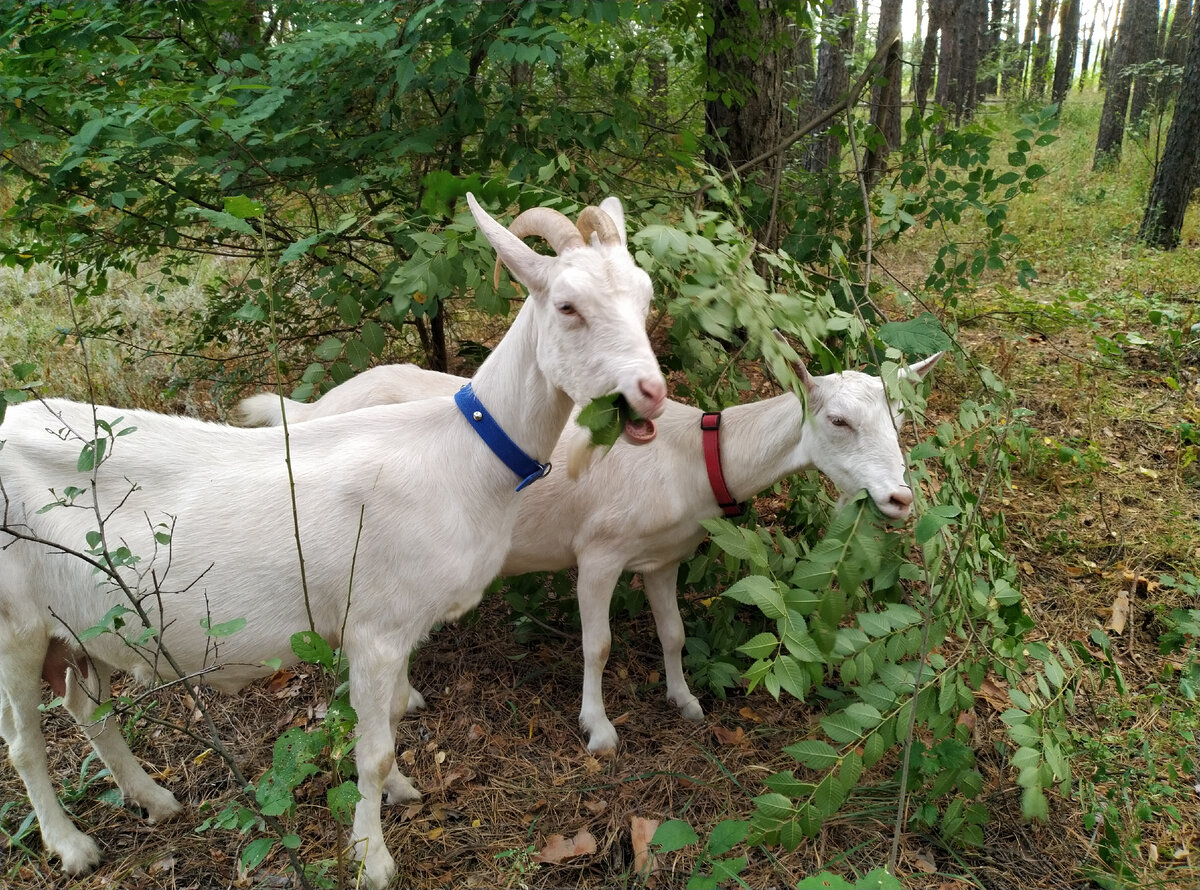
(711, 425)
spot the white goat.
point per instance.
(408, 497)
(639, 509)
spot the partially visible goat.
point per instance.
(639, 509)
(405, 514)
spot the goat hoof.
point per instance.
(79, 855)
(159, 804)
(398, 789)
(691, 710)
(416, 701)
(379, 868)
(602, 740)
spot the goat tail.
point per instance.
(264, 410)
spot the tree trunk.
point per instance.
(1176, 49)
(744, 75)
(1116, 96)
(752, 63)
(885, 95)
(1087, 51)
(946, 91)
(1146, 50)
(1027, 42)
(833, 78)
(972, 14)
(1068, 42)
(1041, 50)
(1011, 71)
(924, 76)
(1177, 174)
(990, 47)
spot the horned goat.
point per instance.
(639, 509)
(404, 499)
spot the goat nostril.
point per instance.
(902, 499)
(654, 390)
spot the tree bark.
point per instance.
(1087, 51)
(833, 79)
(1027, 43)
(923, 79)
(1176, 49)
(1116, 96)
(971, 14)
(1177, 174)
(885, 95)
(946, 91)
(1146, 50)
(1041, 50)
(989, 48)
(1068, 43)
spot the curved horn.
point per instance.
(548, 223)
(593, 220)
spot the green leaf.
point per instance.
(243, 207)
(224, 629)
(329, 349)
(256, 851)
(373, 337)
(813, 753)
(312, 648)
(760, 591)
(760, 646)
(602, 417)
(673, 835)
(727, 834)
(342, 799)
(923, 335)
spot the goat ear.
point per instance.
(810, 383)
(522, 260)
(923, 367)
(612, 206)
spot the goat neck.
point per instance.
(762, 442)
(526, 405)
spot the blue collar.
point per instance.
(527, 469)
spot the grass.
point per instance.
(1100, 350)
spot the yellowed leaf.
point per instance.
(558, 848)
(641, 832)
(1120, 613)
(725, 736)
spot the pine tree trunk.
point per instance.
(971, 15)
(925, 70)
(885, 96)
(988, 49)
(1068, 43)
(1147, 49)
(1027, 43)
(1176, 48)
(945, 93)
(833, 79)
(1041, 50)
(1177, 174)
(1116, 95)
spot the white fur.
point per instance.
(639, 508)
(437, 510)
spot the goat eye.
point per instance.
(567, 308)
(839, 421)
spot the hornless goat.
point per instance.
(639, 509)
(412, 498)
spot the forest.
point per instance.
(979, 669)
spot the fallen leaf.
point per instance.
(730, 736)
(994, 694)
(653, 677)
(558, 848)
(595, 807)
(923, 859)
(1120, 613)
(967, 719)
(641, 833)
(749, 713)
